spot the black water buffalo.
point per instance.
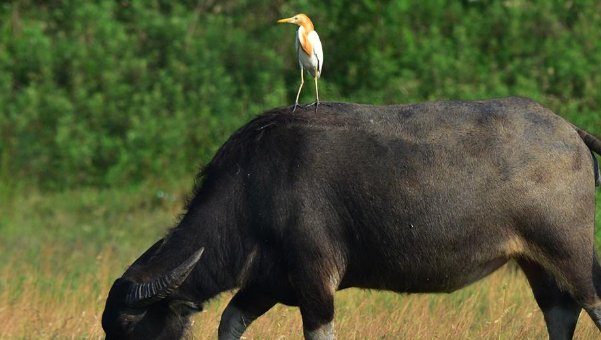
(409, 198)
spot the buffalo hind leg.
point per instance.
(561, 311)
(244, 308)
(594, 310)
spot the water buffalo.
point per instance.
(408, 198)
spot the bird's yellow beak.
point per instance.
(285, 21)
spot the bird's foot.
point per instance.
(297, 105)
(294, 107)
(316, 105)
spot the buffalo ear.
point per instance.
(184, 308)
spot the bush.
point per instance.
(108, 92)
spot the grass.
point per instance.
(60, 253)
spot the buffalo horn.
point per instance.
(146, 293)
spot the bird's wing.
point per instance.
(299, 47)
(297, 42)
(317, 49)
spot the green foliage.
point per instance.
(108, 92)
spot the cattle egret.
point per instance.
(309, 51)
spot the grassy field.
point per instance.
(59, 254)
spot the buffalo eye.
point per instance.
(127, 325)
(129, 321)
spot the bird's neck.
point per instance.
(307, 25)
(303, 38)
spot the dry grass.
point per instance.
(499, 307)
(44, 304)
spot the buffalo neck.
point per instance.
(209, 223)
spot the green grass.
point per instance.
(68, 232)
(61, 252)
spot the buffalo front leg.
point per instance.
(316, 302)
(243, 309)
(318, 317)
(322, 333)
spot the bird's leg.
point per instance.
(299, 90)
(316, 92)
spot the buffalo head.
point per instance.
(149, 310)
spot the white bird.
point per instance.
(309, 51)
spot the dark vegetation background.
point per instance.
(110, 93)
